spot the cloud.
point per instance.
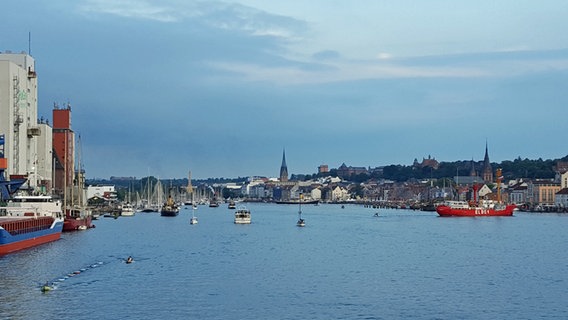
(326, 69)
(384, 56)
(201, 66)
(131, 9)
(254, 22)
(216, 14)
(340, 72)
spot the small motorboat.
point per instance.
(46, 287)
(242, 216)
(301, 222)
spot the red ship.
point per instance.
(28, 221)
(25, 221)
(477, 208)
(76, 219)
(464, 209)
(21, 233)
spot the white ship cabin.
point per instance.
(457, 204)
(20, 206)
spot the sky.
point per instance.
(221, 88)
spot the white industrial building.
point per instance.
(28, 144)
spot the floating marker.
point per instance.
(46, 287)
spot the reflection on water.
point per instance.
(345, 263)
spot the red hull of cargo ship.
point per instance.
(447, 211)
(21, 245)
(18, 234)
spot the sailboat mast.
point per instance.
(499, 178)
(190, 190)
(79, 174)
(192, 205)
(300, 205)
(66, 155)
(148, 189)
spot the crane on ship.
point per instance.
(499, 179)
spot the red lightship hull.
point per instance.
(447, 211)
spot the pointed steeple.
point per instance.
(487, 170)
(283, 168)
(472, 172)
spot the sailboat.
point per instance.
(189, 189)
(155, 196)
(148, 207)
(301, 222)
(193, 219)
(77, 216)
(127, 209)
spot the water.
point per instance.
(345, 264)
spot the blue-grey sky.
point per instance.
(222, 87)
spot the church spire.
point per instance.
(472, 172)
(487, 170)
(283, 168)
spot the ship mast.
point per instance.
(189, 188)
(499, 178)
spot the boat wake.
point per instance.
(54, 284)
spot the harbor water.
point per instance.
(344, 264)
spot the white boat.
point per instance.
(127, 210)
(193, 219)
(149, 206)
(242, 216)
(35, 206)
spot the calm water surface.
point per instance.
(345, 264)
